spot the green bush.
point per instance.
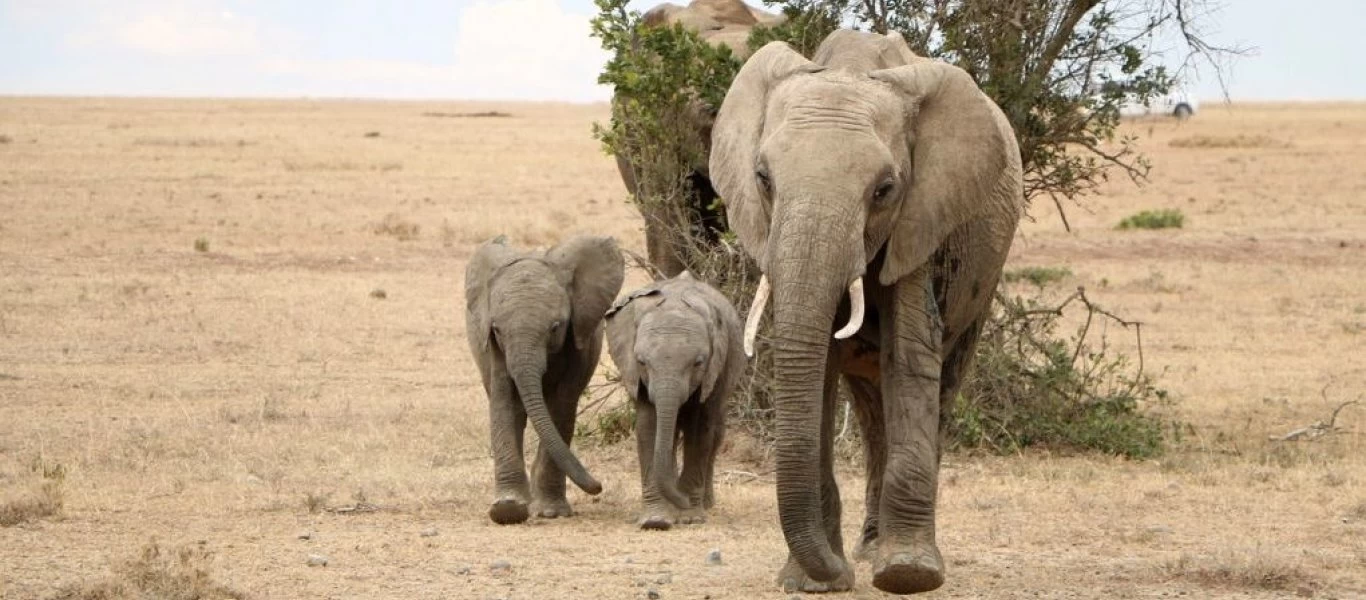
(1167, 218)
(1034, 387)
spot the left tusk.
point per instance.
(756, 312)
(855, 310)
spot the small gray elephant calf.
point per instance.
(677, 343)
(534, 323)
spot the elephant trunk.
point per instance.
(527, 373)
(812, 266)
(667, 400)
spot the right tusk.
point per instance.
(855, 310)
(756, 312)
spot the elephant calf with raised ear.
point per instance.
(677, 344)
(534, 323)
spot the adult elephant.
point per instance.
(720, 23)
(866, 162)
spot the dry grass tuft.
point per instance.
(4, 139)
(1254, 570)
(1228, 141)
(468, 115)
(160, 573)
(398, 227)
(30, 504)
(189, 142)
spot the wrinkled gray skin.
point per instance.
(867, 162)
(719, 23)
(534, 323)
(677, 345)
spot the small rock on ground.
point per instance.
(306, 535)
(664, 578)
(317, 560)
(500, 566)
(428, 532)
(652, 595)
(714, 557)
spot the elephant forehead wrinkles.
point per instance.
(839, 102)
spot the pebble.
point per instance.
(428, 532)
(664, 578)
(463, 571)
(500, 566)
(652, 595)
(630, 560)
(714, 557)
(306, 535)
(317, 560)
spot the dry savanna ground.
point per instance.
(225, 323)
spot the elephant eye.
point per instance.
(765, 184)
(883, 191)
(556, 326)
(697, 362)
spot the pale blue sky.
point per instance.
(494, 49)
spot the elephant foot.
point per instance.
(866, 548)
(552, 509)
(793, 579)
(908, 569)
(656, 522)
(509, 511)
(693, 516)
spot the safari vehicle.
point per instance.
(1176, 103)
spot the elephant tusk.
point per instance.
(855, 310)
(756, 312)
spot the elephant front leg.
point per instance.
(658, 512)
(507, 423)
(699, 456)
(550, 501)
(867, 405)
(792, 577)
(907, 559)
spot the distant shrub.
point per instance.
(1228, 141)
(398, 227)
(4, 139)
(1167, 218)
(1039, 276)
(1034, 387)
(201, 245)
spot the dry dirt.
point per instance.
(192, 348)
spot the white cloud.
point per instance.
(528, 49)
(184, 31)
(192, 28)
(498, 50)
(503, 50)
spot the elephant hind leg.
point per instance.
(867, 405)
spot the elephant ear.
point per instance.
(964, 160)
(623, 320)
(735, 139)
(727, 358)
(596, 271)
(487, 259)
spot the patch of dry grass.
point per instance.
(157, 573)
(42, 497)
(1254, 569)
(1228, 141)
(396, 226)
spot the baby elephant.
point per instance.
(534, 323)
(677, 344)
